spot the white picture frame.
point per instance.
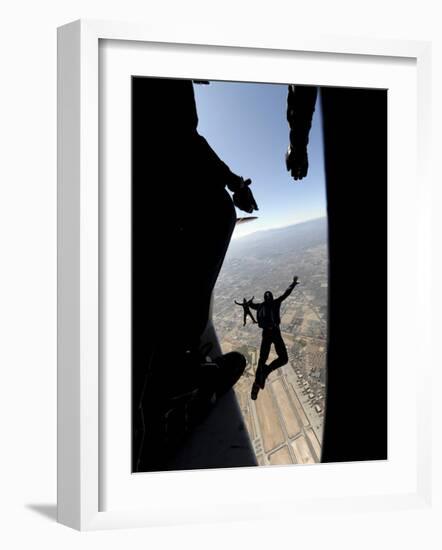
(79, 435)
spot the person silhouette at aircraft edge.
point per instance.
(196, 199)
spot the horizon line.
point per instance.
(279, 227)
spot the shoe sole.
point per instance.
(255, 391)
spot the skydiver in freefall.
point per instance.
(269, 320)
(245, 304)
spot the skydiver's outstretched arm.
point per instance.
(252, 305)
(237, 303)
(289, 290)
(251, 300)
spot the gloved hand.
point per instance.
(296, 162)
(243, 197)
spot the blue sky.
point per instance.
(245, 123)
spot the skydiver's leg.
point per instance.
(245, 318)
(264, 351)
(251, 316)
(281, 352)
(266, 343)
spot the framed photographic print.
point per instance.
(235, 248)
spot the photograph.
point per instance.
(221, 270)
(259, 274)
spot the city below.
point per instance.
(285, 423)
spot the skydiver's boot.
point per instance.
(211, 379)
(230, 368)
(255, 391)
(260, 381)
(176, 407)
(261, 375)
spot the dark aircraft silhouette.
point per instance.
(175, 377)
(355, 150)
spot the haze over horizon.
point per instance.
(285, 226)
